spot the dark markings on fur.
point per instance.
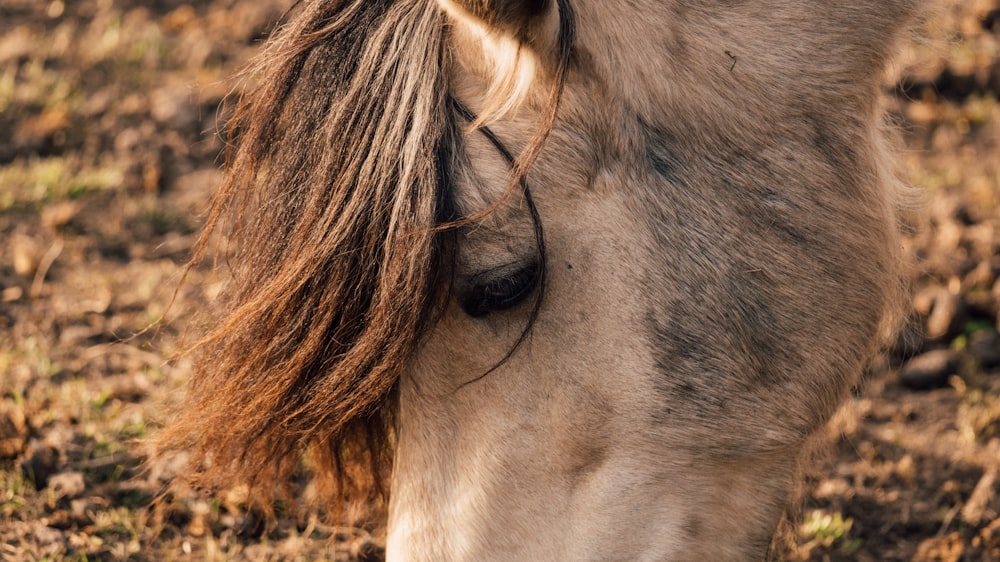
(661, 158)
(772, 213)
(582, 63)
(692, 527)
(837, 151)
(736, 336)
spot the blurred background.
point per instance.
(109, 113)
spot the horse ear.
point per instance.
(517, 17)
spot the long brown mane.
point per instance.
(330, 206)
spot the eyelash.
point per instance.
(500, 292)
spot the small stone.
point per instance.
(26, 252)
(923, 112)
(57, 215)
(67, 484)
(930, 370)
(946, 315)
(56, 9)
(47, 536)
(949, 548)
(11, 294)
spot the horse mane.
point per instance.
(330, 207)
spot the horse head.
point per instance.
(572, 279)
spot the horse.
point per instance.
(555, 279)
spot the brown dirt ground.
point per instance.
(108, 154)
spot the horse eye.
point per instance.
(490, 292)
